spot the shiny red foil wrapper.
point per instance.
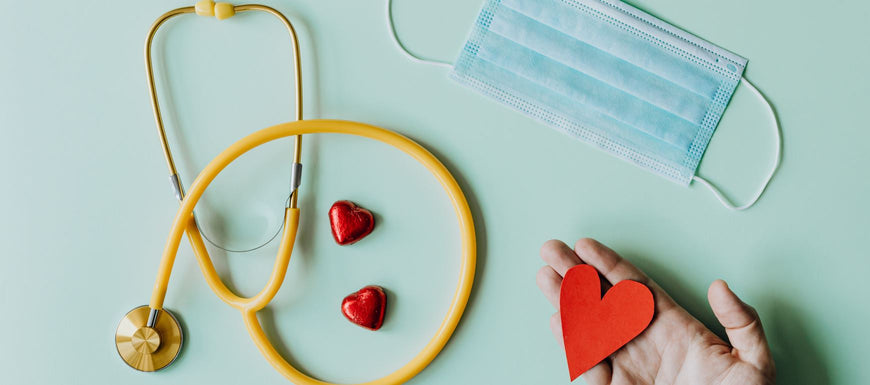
(349, 222)
(366, 307)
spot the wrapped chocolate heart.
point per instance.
(366, 307)
(349, 222)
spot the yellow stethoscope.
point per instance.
(149, 337)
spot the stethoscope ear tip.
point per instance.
(148, 339)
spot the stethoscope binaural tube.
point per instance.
(209, 8)
(249, 306)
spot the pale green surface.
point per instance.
(85, 204)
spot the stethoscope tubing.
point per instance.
(249, 306)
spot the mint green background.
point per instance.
(85, 205)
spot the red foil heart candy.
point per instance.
(350, 223)
(366, 307)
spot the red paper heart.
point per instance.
(366, 307)
(594, 327)
(349, 222)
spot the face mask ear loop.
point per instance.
(721, 197)
(402, 48)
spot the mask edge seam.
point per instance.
(580, 132)
(655, 40)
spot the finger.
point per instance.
(556, 327)
(741, 323)
(599, 374)
(607, 262)
(549, 281)
(615, 268)
(559, 256)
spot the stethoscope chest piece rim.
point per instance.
(145, 348)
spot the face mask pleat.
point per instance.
(625, 76)
(620, 43)
(584, 89)
(576, 119)
(606, 73)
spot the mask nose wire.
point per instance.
(401, 47)
(777, 158)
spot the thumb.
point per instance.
(741, 323)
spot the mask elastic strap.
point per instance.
(402, 48)
(721, 197)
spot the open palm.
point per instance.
(676, 348)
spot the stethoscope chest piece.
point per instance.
(148, 340)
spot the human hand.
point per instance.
(676, 348)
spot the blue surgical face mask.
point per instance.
(608, 74)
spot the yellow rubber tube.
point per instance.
(249, 306)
